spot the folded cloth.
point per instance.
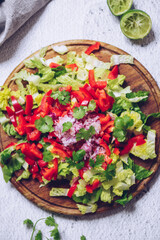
(14, 13)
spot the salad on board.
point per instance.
(74, 120)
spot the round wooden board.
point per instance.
(139, 79)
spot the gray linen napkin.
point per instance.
(14, 13)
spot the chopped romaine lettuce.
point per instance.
(62, 49)
(87, 209)
(57, 192)
(118, 59)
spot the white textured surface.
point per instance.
(84, 19)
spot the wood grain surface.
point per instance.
(139, 79)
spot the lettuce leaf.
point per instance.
(140, 96)
(118, 59)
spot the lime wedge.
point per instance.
(135, 24)
(119, 7)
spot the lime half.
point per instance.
(135, 24)
(119, 7)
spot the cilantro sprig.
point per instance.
(62, 96)
(124, 199)
(66, 126)
(121, 126)
(49, 221)
(77, 159)
(45, 124)
(79, 112)
(98, 162)
(85, 134)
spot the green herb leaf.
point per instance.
(121, 126)
(47, 156)
(38, 235)
(154, 115)
(76, 160)
(58, 71)
(55, 234)
(110, 171)
(124, 200)
(140, 96)
(98, 162)
(28, 222)
(66, 126)
(79, 113)
(50, 221)
(62, 96)
(91, 105)
(45, 124)
(83, 237)
(85, 134)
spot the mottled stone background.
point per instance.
(83, 19)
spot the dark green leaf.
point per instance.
(28, 222)
(138, 94)
(110, 171)
(66, 126)
(154, 115)
(55, 234)
(45, 124)
(58, 71)
(98, 162)
(141, 172)
(76, 160)
(6, 154)
(47, 156)
(62, 96)
(83, 237)
(124, 200)
(38, 235)
(50, 221)
(85, 134)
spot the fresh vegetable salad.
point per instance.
(74, 120)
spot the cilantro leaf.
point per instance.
(85, 134)
(38, 235)
(120, 105)
(154, 115)
(55, 234)
(45, 124)
(79, 113)
(76, 160)
(28, 222)
(98, 162)
(47, 156)
(58, 71)
(121, 126)
(62, 96)
(83, 237)
(91, 105)
(50, 221)
(124, 200)
(110, 171)
(66, 126)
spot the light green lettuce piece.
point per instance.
(100, 73)
(65, 79)
(87, 208)
(147, 150)
(87, 175)
(63, 169)
(136, 99)
(138, 124)
(106, 196)
(58, 60)
(61, 49)
(115, 84)
(124, 158)
(118, 59)
(45, 182)
(5, 95)
(46, 87)
(43, 51)
(121, 91)
(25, 175)
(58, 192)
(74, 171)
(91, 61)
(81, 188)
(3, 118)
(79, 61)
(82, 74)
(71, 57)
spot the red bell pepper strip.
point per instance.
(105, 119)
(29, 104)
(86, 94)
(29, 161)
(72, 66)
(42, 163)
(103, 144)
(49, 173)
(101, 84)
(90, 90)
(54, 65)
(44, 103)
(114, 73)
(34, 168)
(107, 159)
(91, 78)
(21, 127)
(17, 107)
(78, 95)
(12, 116)
(105, 101)
(39, 145)
(104, 165)
(35, 151)
(107, 125)
(68, 88)
(72, 189)
(92, 48)
(59, 152)
(116, 151)
(81, 171)
(10, 145)
(95, 185)
(139, 139)
(34, 135)
(106, 137)
(38, 176)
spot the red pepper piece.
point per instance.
(78, 95)
(107, 125)
(105, 119)
(116, 151)
(29, 161)
(12, 116)
(72, 66)
(34, 135)
(49, 173)
(91, 78)
(39, 145)
(101, 84)
(68, 88)
(110, 129)
(17, 107)
(139, 139)
(103, 144)
(86, 94)
(114, 73)
(95, 185)
(59, 152)
(10, 145)
(104, 165)
(44, 104)
(29, 104)
(54, 65)
(81, 172)
(105, 101)
(21, 127)
(35, 151)
(34, 168)
(92, 48)
(72, 189)
(56, 111)
(42, 163)
(38, 176)
(106, 137)
(90, 90)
